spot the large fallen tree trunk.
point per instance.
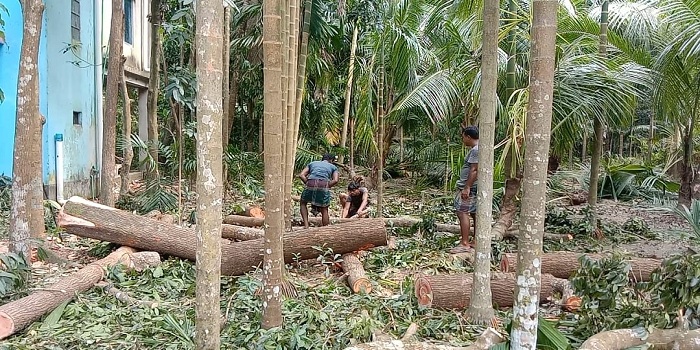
(454, 291)
(88, 219)
(564, 264)
(357, 279)
(17, 315)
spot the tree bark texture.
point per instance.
(91, 220)
(357, 279)
(108, 190)
(209, 38)
(508, 209)
(241, 233)
(154, 86)
(19, 314)
(348, 92)
(480, 309)
(226, 85)
(454, 291)
(529, 287)
(27, 214)
(485, 341)
(273, 112)
(565, 264)
(620, 339)
(598, 126)
(128, 151)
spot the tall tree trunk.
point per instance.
(598, 128)
(225, 126)
(209, 39)
(621, 146)
(685, 194)
(348, 92)
(25, 219)
(109, 133)
(290, 110)
(380, 142)
(584, 146)
(538, 133)
(128, 151)
(274, 173)
(153, 87)
(650, 151)
(481, 308)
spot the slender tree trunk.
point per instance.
(209, 38)
(685, 194)
(621, 146)
(290, 111)
(348, 92)
(598, 128)
(116, 35)
(650, 151)
(481, 309)
(225, 126)
(128, 151)
(25, 220)
(584, 146)
(538, 133)
(380, 143)
(274, 173)
(153, 87)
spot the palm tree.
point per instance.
(525, 307)
(209, 42)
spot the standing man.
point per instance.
(318, 177)
(465, 197)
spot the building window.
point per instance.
(75, 20)
(129, 21)
(77, 118)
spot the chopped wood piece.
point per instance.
(357, 280)
(124, 297)
(485, 341)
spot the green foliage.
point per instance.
(606, 302)
(14, 272)
(245, 172)
(548, 337)
(676, 285)
(691, 215)
(156, 194)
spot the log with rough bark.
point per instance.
(241, 233)
(454, 291)
(357, 280)
(485, 341)
(88, 219)
(564, 264)
(678, 338)
(17, 315)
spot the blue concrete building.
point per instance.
(68, 94)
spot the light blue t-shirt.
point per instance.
(471, 158)
(321, 170)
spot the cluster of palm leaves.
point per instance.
(418, 62)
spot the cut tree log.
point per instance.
(124, 297)
(241, 233)
(454, 291)
(88, 219)
(485, 341)
(357, 279)
(19, 314)
(564, 264)
(253, 212)
(679, 338)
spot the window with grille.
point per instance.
(75, 20)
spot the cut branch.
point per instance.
(87, 219)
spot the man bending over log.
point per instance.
(318, 177)
(465, 196)
(355, 202)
